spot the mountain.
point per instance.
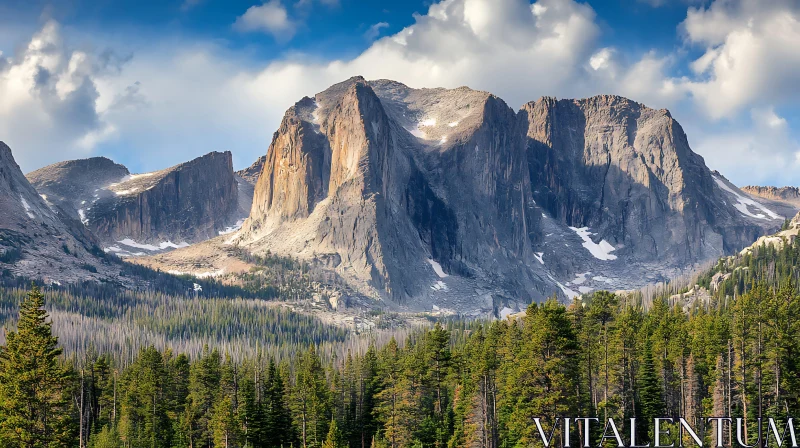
(38, 239)
(251, 173)
(789, 195)
(148, 213)
(449, 199)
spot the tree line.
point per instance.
(735, 352)
(604, 356)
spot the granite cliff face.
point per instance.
(38, 239)
(627, 172)
(448, 198)
(350, 183)
(145, 213)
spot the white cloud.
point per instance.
(239, 108)
(179, 100)
(601, 59)
(750, 57)
(270, 17)
(47, 100)
(375, 30)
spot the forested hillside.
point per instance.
(732, 353)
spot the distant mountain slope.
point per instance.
(38, 239)
(147, 213)
(788, 195)
(252, 172)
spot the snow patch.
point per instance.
(82, 215)
(601, 251)
(437, 268)
(539, 256)
(439, 286)
(126, 192)
(600, 278)
(416, 133)
(200, 275)
(138, 176)
(233, 228)
(27, 207)
(165, 245)
(443, 140)
(744, 202)
(567, 292)
(580, 278)
(453, 124)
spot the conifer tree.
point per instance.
(651, 403)
(335, 438)
(35, 385)
(278, 426)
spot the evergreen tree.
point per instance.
(335, 438)
(144, 420)
(35, 385)
(310, 403)
(225, 423)
(651, 403)
(204, 384)
(278, 425)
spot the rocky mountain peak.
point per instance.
(38, 241)
(137, 214)
(448, 198)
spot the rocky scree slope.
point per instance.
(449, 199)
(142, 214)
(38, 239)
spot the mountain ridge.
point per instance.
(464, 202)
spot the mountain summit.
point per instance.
(449, 198)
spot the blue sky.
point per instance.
(154, 83)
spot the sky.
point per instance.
(151, 84)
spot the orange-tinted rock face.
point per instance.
(784, 194)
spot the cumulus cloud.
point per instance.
(180, 100)
(194, 99)
(270, 17)
(47, 100)
(750, 57)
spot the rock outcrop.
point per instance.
(145, 213)
(626, 171)
(38, 239)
